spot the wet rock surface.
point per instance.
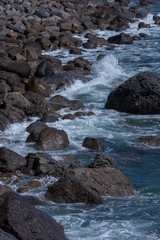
(140, 95)
(71, 190)
(27, 79)
(35, 224)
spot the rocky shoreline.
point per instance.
(28, 77)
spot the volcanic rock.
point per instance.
(140, 94)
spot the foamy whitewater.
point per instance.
(133, 218)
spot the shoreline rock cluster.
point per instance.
(28, 76)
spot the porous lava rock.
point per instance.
(140, 94)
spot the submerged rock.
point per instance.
(140, 94)
(93, 143)
(21, 219)
(149, 140)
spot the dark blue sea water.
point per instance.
(133, 218)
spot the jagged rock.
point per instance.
(43, 164)
(102, 160)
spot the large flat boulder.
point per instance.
(140, 94)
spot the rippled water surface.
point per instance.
(134, 218)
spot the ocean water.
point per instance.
(130, 218)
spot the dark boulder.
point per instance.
(20, 218)
(119, 23)
(38, 86)
(121, 38)
(52, 139)
(93, 143)
(43, 164)
(21, 68)
(17, 100)
(143, 25)
(95, 42)
(69, 189)
(34, 129)
(140, 94)
(10, 161)
(156, 19)
(43, 69)
(66, 103)
(49, 118)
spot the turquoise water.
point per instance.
(133, 218)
